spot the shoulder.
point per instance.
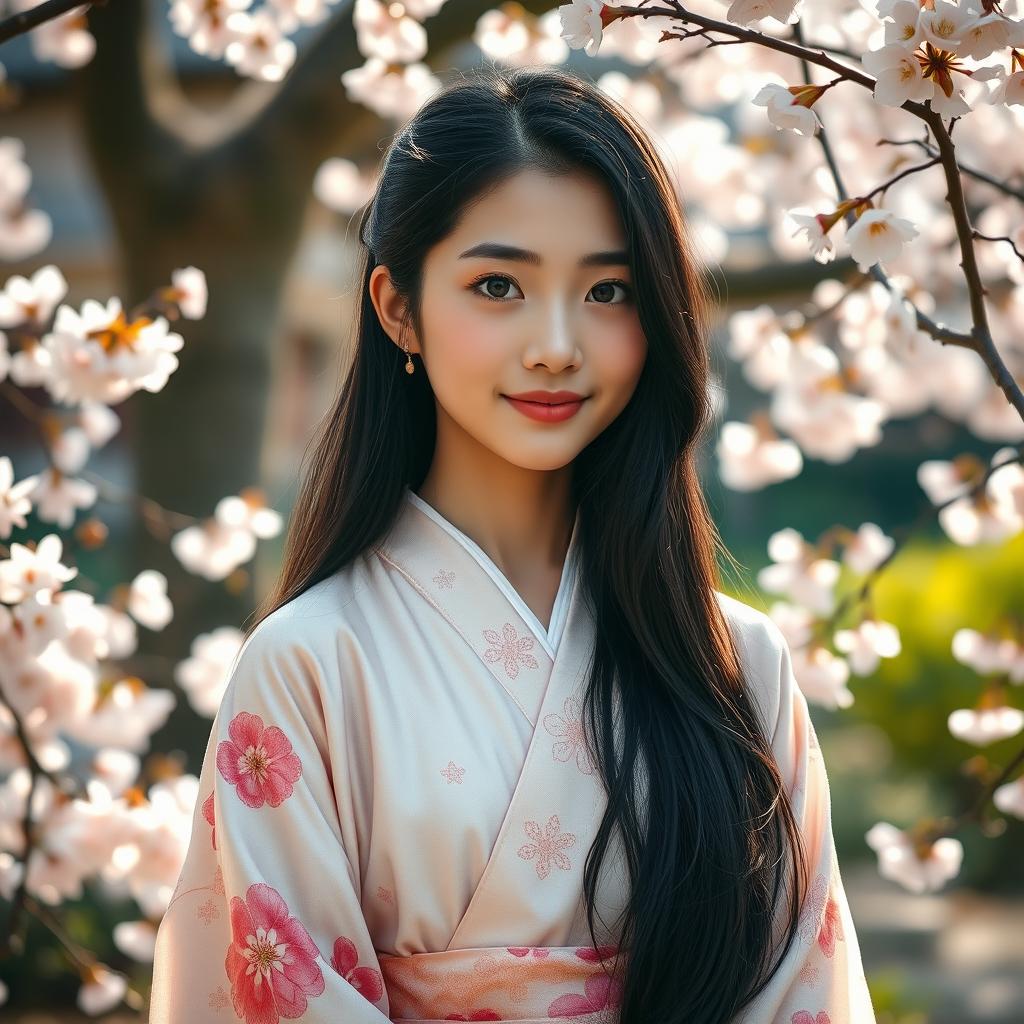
(763, 653)
(301, 644)
(751, 627)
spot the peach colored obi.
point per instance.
(513, 983)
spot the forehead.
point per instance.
(559, 216)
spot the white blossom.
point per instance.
(864, 646)
(204, 675)
(784, 111)
(29, 572)
(878, 236)
(582, 26)
(798, 572)
(985, 725)
(15, 503)
(822, 676)
(748, 460)
(918, 871)
(147, 600)
(868, 548)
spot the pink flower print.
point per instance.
(272, 961)
(208, 815)
(569, 730)
(365, 980)
(831, 928)
(808, 974)
(547, 846)
(814, 907)
(257, 761)
(218, 1000)
(598, 954)
(805, 1017)
(533, 951)
(445, 579)
(453, 773)
(509, 648)
(600, 993)
(208, 912)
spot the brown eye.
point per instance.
(503, 285)
(606, 288)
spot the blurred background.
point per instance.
(152, 157)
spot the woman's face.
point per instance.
(498, 324)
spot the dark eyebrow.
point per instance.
(500, 251)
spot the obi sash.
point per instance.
(522, 984)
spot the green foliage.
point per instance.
(891, 756)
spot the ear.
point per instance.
(391, 307)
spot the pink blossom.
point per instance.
(258, 761)
(601, 992)
(272, 961)
(365, 980)
(208, 815)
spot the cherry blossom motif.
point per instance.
(547, 846)
(208, 815)
(218, 999)
(831, 929)
(806, 1017)
(533, 951)
(569, 731)
(271, 961)
(257, 761)
(367, 981)
(510, 649)
(596, 955)
(600, 993)
(814, 908)
(808, 974)
(208, 912)
(453, 773)
(445, 579)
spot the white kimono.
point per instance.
(396, 803)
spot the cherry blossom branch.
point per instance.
(881, 189)
(999, 238)
(12, 941)
(928, 512)
(25, 21)
(979, 339)
(971, 172)
(84, 961)
(928, 831)
(798, 50)
(980, 332)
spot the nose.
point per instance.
(554, 345)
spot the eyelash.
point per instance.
(487, 277)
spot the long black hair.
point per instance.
(696, 796)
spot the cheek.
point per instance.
(463, 345)
(619, 355)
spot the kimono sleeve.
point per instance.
(821, 979)
(265, 923)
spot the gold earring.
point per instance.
(409, 367)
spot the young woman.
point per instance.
(498, 748)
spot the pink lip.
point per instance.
(545, 412)
(550, 397)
